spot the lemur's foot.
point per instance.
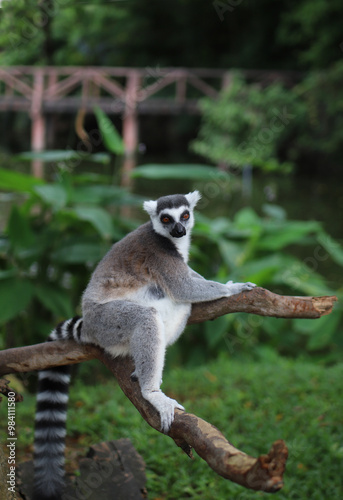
(235, 288)
(164, 405)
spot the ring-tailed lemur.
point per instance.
(137, 303)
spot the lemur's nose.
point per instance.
(178, 230)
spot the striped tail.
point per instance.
(50, 423)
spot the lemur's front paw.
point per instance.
(235, 288)
(165, 406)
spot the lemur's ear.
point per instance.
(193, 198)
(150, 207)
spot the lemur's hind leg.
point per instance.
(147, 347)
(123, 327)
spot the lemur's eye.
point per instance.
(165, 219)
(185, 216)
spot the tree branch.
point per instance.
(264, 303)
(188, 431)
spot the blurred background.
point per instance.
(106, 103)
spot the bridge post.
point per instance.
(130, 126)
(38, 121)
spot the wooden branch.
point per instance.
(188, 431)
(257, 301)
(8, 391)
(264, 303)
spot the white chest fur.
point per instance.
(174, 317)
(171, 315)
(182, 246)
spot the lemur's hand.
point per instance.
(234, 288)
(165, 406)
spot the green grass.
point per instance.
(252, 403)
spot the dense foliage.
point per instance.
(221, 33)
(261, 249)
(60, 230)
(52, 240)
(274, 127)
(248, 125)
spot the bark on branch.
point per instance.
(189, 431)
(264, 303)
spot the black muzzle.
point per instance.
(178, 230)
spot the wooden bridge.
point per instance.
(125, 91)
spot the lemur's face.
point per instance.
(172, 216)
(175, 221)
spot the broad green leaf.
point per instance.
(55, 300)
(214, 331)
(274, 211)
(53, 194)
(298, 276)
(96, 194)
(230, 252)
(261, 271)
(64, 155)
(19, 231)
(99, 218)
(305, 326)
(15, 295)
(110, 135)
(246, 218)
(91, 178)
(287, 233)
(80, 253)
(9, 273)
(213, 228)
(332, 247)
(183, 171)
(325, 327)
(103, 158)
(220, 225)
(16, 181)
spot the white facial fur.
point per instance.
(182, 243)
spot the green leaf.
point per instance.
(325, 327)
(8, 273)
(111, 137)
(287, 233)
(333, 248)
(298, 276)
(19, 231)
(60, 155)
(103, 158)
(180, 171)
(99, 218)
(55, 300)
(215, 330)
(230, 252)
(15, 181)
(15, 295)
(53, 194)
(96, 194)
(274, 211)
(4, 246)
(247, 218)
(80, 253)
(261, 271)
